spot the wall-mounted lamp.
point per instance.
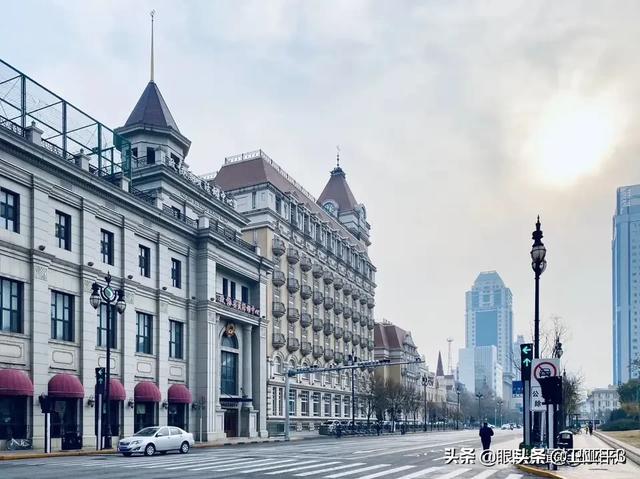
(130, 276)
(90, 263)
(41, 247)
(193, 297)
(164, 288)
(131, 403)
(91, 401)
(165, 405)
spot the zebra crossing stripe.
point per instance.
(486, 473)
(455, 473)
(219, 464)
(362, 469)
(312, 466)
(177, 460)
(388, 471)
(173, 467)
(514, 476)
(337, 468)
(280, 466)
(421, 473)
(236, 466)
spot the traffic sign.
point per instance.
(526, 358)
(517, 388)
(100, 380)
(537, 401)
(544, 368)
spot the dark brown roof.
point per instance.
(242, 174)
(337, 189)
(151, 109)
(388, 336)
(439, 368)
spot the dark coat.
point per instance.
(485, 434)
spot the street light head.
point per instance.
(121, 305)
(538, 252)
(94, 299)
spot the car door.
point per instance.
(176, 437)
(163, 439)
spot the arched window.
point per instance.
(277, 365)
(229, 364)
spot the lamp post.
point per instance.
(109, 296)
(425, 383)
(353, 359)
(458, 413)
(499, 404)
(538, 264)
(479, 396)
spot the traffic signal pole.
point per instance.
(292, 372)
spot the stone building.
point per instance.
(321, 293)
(79, 200)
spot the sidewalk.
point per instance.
(595, 471)
(31, 454)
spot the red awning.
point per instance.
(179, 393)
(116, 390)
(146, 391)
(65, 386)
(14, 382)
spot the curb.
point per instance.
(90, 452)
(616, 444)
(538, 472)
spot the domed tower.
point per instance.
(338, 200)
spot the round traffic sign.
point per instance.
(545, 369)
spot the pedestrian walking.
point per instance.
(485, 436)
(590, 428)
(339, 430)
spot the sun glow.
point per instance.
(572, 139)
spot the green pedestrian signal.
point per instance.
(526, 357)
(101, 378)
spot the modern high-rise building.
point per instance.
(480, 370)
(626, 286)
(321, 293)
(489, 317)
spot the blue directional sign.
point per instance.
(517, 389)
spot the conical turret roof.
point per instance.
(337, 190)
(152, 110)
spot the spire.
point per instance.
(337, 189)
(338, 156)
(152, 13)
(439, 368)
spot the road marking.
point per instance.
(362, 469)
(258, 469)
(182, 463)
(243, 462)
(370, 450)
(399, 450)
(420, 473)
(337, 468)
(455, 473)
(303, 467)
(514, 476)
(388, 471)
(487, 473)
(263, 462)
(439, 458)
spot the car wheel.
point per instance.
(150, 450)
(126, 454)
(184, 447)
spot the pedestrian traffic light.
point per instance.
(526, 358)
(101, 378)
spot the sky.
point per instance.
(458, 122)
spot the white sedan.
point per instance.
(160, 438)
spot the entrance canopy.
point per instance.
(146, 391)
(14, 382)
(65, 386)
(179, 393)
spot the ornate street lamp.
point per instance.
(458, 413)
(479, 396)
(109, 296)
(538, 264)
(425, 383)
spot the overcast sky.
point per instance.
(458, 123)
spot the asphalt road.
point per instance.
(394, 457)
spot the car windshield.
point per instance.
(147, 431)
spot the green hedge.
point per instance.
(620, 425)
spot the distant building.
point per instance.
(601, 401)
(480, 370)
(396, 344)
(489, 317)
(625, 249)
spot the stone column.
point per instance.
(247, 377)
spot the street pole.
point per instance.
(107, 386)
(287, 381)
(538, 264)
(424, 384)
(353, 400)
(458, 413)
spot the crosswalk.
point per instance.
(294, 466)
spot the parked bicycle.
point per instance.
(18, 444)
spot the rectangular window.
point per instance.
(304, 403)
(327, 405)
(10, 305)
(144, 261)
(292, 402)
(61, 316)
(102, 325)
(225, 287)
(244, 291)
(278, 205)
(233, 290)
(151, 156)
(10, 210)
(316, 404)
(106, 246)
(228, 370)
(253, 200)
(144, 326)
(176, 273)
(337, 403)
(176, 329)
(63, 230)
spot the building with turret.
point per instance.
(321, 292)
